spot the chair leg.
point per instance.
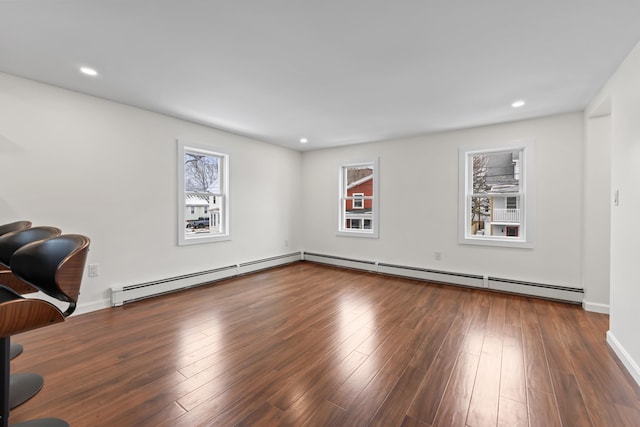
(5, 381)
(5, 359)
(16, 350)
(23, 387)
(42, 422)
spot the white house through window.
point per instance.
(494, 196)
(203, 187)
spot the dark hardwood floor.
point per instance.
(309, 345)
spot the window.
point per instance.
(203, 194)
(358, 201)
(496, 196)
(358, 205)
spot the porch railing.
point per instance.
(506, 215)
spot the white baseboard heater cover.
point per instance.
(341, 262)
(140, 291)
(561, 293)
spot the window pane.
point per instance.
(480, 216)
(201, 173)
(356, 175)
(497, 172)
(359, 188)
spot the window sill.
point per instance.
(487, 241)
(365, 234)
(208, 238)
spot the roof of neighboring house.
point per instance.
(504, 188)
(360, 181)
(359, 211)
(357, 173)
(196, 200)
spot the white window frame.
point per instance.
(374, 217)
(223, 197)
(525, 197)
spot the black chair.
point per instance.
(11, 242)
(14, 226)
(23, 385)
(9, 228)
(54, 267)
(16, 349)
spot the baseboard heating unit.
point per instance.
(125, 294)
(541, 290)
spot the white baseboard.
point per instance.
(341, 261)
(83, 308)
(624, 357)
(121, 295)
(541, 290)
(595, 307)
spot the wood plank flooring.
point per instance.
(310, 345)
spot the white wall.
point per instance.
(419, 202)
(108, 171)
(623, 91)
(597, 212)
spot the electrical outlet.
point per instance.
(93, 270)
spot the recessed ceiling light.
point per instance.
(303, 140)
(518, 104)
(88, 71)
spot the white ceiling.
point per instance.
(334, 71)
